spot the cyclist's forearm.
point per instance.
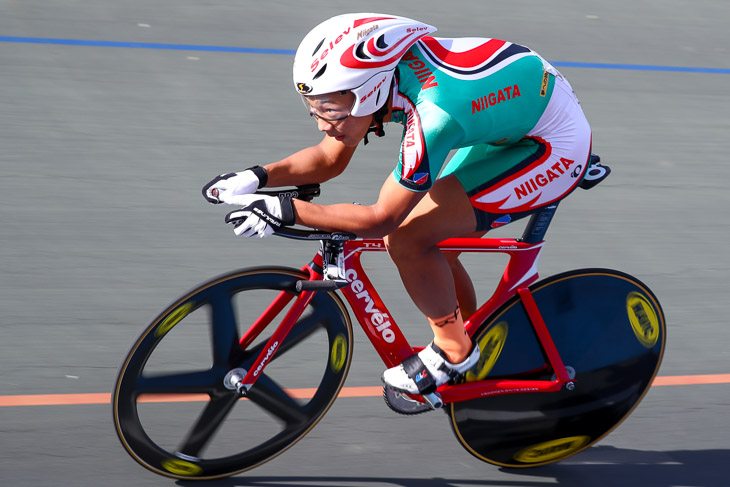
(310, 165)
(363, 221)
(378, 220)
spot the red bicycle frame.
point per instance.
(387, 338)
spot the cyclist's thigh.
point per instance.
(509, 182)
(444, 212)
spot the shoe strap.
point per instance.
(419, 374)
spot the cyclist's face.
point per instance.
(332, 112)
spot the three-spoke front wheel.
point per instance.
(172, 409)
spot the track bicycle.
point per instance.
(563, 360)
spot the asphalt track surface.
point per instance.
(106, 141)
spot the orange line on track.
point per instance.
(688, 380)
(105, 398)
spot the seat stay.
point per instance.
(546, 341)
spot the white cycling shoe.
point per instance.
(424, 372)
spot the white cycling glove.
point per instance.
(261, 215)
(224, 188)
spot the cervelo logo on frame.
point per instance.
(266, 358)
(380, 320)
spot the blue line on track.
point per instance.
(639, 67)
(145, 45)
(288, 52)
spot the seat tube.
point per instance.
(539, 223)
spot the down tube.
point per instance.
(373, 315)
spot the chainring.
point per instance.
(402, 404)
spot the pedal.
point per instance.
(434, 400)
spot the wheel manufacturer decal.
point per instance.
(643, 319)
(181, 467)
(550, 450)
(338, 354)
(490, 346)
(174, 318)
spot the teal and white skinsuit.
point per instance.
(522, 138)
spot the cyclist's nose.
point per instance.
(324, 125)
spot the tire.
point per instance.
(608, 328)
(172, 411)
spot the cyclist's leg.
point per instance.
(447, 211)
(459, 203)
(482, 187)
(465, 292)
(444, 212)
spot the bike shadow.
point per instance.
(607, 466)
(602, 466)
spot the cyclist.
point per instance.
(522, 142)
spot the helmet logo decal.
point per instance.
(327, 50)
(365, 32)
(374, 90)
(304, 88)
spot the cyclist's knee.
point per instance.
(406, 243)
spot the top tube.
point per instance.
(534, 232)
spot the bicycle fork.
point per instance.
(241, 380)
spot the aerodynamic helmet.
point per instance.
(358, 53)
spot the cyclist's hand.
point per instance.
(261, 215)
(225, 187)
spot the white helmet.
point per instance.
(358, 53)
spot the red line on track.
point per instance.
(105, 398)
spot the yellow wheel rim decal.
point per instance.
(174, 318)
(181, 467)
(643, 319)
(550, 450)
(490, 346)
(338, 354)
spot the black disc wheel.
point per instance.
(171, 407)
(609, 330)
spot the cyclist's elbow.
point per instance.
(382, 224)
(333, 170)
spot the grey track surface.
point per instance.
(103, 152)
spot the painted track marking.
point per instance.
(373, 391)
(289, 52)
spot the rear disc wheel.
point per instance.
(610, 332)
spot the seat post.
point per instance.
(538, 224)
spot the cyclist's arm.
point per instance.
(394, 204)
(315, 164)
(395, 201)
